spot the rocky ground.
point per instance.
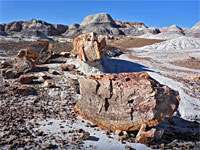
(42, 117)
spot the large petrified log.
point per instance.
(126, 101)
(88, 47)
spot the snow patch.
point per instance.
(180, 43)
(161, 36)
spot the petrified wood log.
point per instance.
(125, 101)
(88, 47)
(38, 53)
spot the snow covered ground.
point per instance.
(180, 43)
(33, 38)
(161, 36)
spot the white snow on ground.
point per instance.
(97, 139)
(161, 36)
(32, 38)
(18, 39)
(58, 39)
(84, 67)
(180, 43)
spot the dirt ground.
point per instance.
(21, 114)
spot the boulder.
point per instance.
(88, 47)
(125, 101)
(38, 53)
(26, 79)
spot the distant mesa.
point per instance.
(33, 27)
(101, 23)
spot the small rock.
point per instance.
(54, 72)
(162, 146)
(25, 91)
(67, 67)
(26, 79)
(48, 83)
(158, 134)
(128, 147)
(84, 136)
(68, 131)
(125, 134)
(132, 135)
(42, 75)
(118, 132)
(144, 136)
(65, 54)
(121, 139)
(9, 74)
(4, 64)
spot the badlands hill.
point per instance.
(101, 23)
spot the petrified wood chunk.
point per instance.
(125, 101)
(37, 53)
(88, 47)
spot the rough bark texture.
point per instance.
(125, 101)
(88, 47)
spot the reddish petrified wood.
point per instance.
(125, 101)
(88, 47)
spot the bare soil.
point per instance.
(192, 63)
(20, 114)
(14, 47)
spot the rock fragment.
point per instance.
(9, 74)
(26, 79)
(25, 91)
(4, 64)
(196, 77)
(67, 67)
(88, 47)
(145, 137)
(36, 54)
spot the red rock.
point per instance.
(67, 67)
(125, 101)
(197, 77)
(26, 79)
(38, 53)
(25, 91)
(88, 47)
(145, 137)
(4, 64)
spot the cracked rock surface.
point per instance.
(125, 101)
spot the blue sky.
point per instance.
(157, 13)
